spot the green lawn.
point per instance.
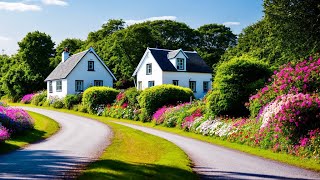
(44, 128)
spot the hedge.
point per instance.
(234, 82)
(156, 97)
(98, 95)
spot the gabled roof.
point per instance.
(65, 68)
(194, 62)
(174, 53)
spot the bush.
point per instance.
(72, 99)
(58, 104)
(156, 97)
(234, 82)
(4, 134)
(39, 98)
(302, 77)
(26, 99)
(93, 97)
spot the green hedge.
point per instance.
(234, 82)
(98, 95)
(72, 99)
(156, 97)
(39, 98)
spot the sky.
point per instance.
(63, 19)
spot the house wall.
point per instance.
(54, 93)
(81, 73)
(185, 77)
(156, 75)
(174, 60)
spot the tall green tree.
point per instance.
(214, 39)
(35, 49)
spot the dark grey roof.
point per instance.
(194, 62)
(64, 68)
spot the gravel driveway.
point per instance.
(79, 141)
(214, 162)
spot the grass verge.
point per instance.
(134, 154)
(268, 154)
(44, 128)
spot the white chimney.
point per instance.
(65, 54)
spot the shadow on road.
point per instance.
(39, 164)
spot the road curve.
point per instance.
(79, 141)
(215, 162)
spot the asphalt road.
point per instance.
(79, 141)
(215, 162)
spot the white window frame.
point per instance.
(50, 87)
(98, 82)
(149, 69)
(79, 85)
(205, 86)
(150, 83)
(193, 86)
(139, 85)
(175, 82)
(59, 86)
(180, 64)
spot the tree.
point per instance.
(36, 48)
(74, 46)
(214, 39)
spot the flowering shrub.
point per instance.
(26, 99)
(15, 119)
(4, 134)
(189, 120)
(291, 79)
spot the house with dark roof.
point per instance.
(178, 67)
(76, 73)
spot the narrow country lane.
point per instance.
(79, 141)
(215, 162)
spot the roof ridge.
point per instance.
(174, 50)
(80, 52)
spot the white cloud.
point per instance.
(3, 38)
(130, 22)
(55, 2)
(231, 23)
(18, 6)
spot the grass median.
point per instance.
(44, 127)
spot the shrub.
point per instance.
(39, 98)
(26, 99)
(15, 119)
(58, 104)
(234, 82)
(72, 99)
(156, 97)
(302, 77)
(4, 134)
(93, 97)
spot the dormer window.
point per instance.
(180, 64)
(90, 65)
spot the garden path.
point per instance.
(215, 162)
(79, 141)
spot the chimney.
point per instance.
(65, 54)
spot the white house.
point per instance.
(178, 67)
(76, 73)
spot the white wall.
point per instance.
(54, 93)
(156, 75)
(81, 73)
(174, 60)
(185, 77)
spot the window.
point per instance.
(59, 86)
(50, 87)
(90, 65)
(150, 83)
(149, 69)
(140, 85)
(180, 63)
(175, 82)
(205, 86)
(192, 86)
(79, 85)
(98, 83)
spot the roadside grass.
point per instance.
(268, 154)
(134, 154)
(44, 128)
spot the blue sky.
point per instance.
(76, 18)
